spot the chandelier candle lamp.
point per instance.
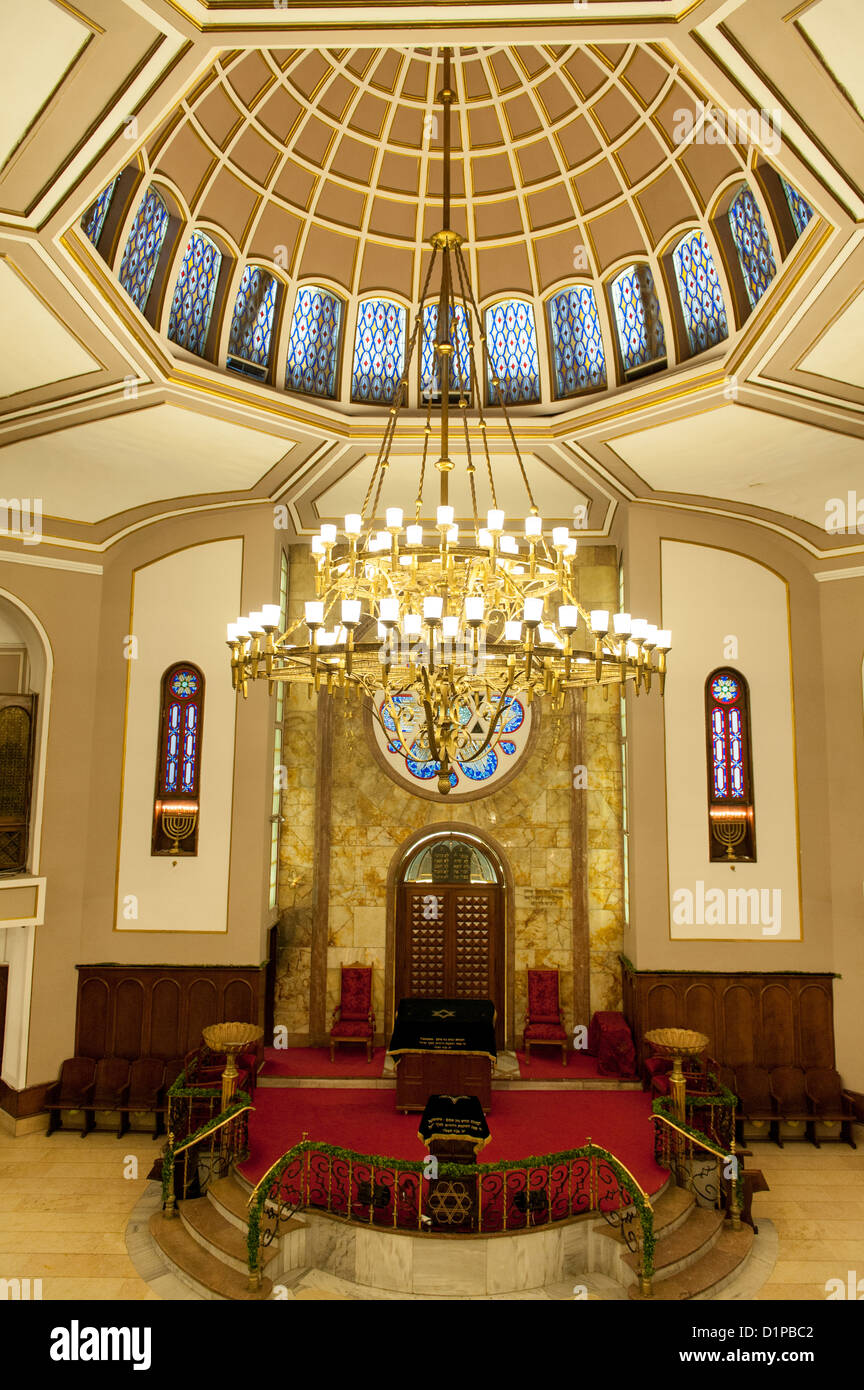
(436, 618)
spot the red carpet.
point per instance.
(523, 1123)
(315, 1062)
(547, 1066)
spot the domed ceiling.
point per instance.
(309, 138)
(564, 160)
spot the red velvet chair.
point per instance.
(353, 1019)
(544, 1021)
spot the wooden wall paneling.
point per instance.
(700, 1011)
(737, 1028)
(160, 1010)
(164, 1040)
(128, 1019)
(771, 1019)
(816, 1026)
(238, 1004)
(91, 1035)
(202, 1009)
(777, 1031)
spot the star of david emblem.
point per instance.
(444, 1013)
(450, 1203)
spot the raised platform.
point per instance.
(310, 1067)
(522, 1122)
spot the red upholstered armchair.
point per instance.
(353, 1019)
(544, 1021)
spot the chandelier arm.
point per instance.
(475, 379)
(427, 434)
(464, 413)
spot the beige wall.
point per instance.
(842, 610)
(87, 618)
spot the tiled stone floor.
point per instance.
(816, 1203)
(65, 1203)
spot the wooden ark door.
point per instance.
(450, 944)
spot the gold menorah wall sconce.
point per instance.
(178, 821)
(729, 829)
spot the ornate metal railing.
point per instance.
(191, 1106)
(191, 1163)
(698, 1164)
(413, 1195)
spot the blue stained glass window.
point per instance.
(577, 343)
(192, 305)
(379, 350)
(751, 242)
(141, 255)
(727, 738)
(799, 207)
(637, 317)
(460, 361)
(313, 344)
(94, 218)
(181, 733)
(252, 324)
(511, 342)
(701, 295)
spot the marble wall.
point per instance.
(531, 818)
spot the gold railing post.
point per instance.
(734, 1203)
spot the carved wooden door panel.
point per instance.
(449, 944)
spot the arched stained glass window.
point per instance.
(577, 343)
(799, 207)
(141, 255)
(511, 342)
(379, 350)
(637, 317)
(751, 242)
(194, 293)
(252, 324)
(701, 295)
(732, 833)
(178, 772)
(94, 218)
(313, 344)
(460, 361)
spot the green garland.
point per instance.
(240, 1101)
(660, 1107)
(459, 1170)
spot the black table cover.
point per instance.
(454, 1117)
(445, 1025)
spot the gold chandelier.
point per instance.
(440, 631)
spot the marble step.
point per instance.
(671, 1206)
(708, 1276)
(230, 1197)
(684, 1246)
(218, 1236)
(201, 1270)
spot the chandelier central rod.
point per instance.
(443, 344)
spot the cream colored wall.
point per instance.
(649, 943)
(842, 609)
(180, 606)
(726, 609)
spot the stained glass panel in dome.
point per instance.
(252, 323)
(379, 351)
(511, 342)
(141, 255)
(192, 305)
(94, 218)
(313, 344)
(751, 242)
(637, 317)
(460, 370)
(799, 207)
(701, 295)
(577, 343)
